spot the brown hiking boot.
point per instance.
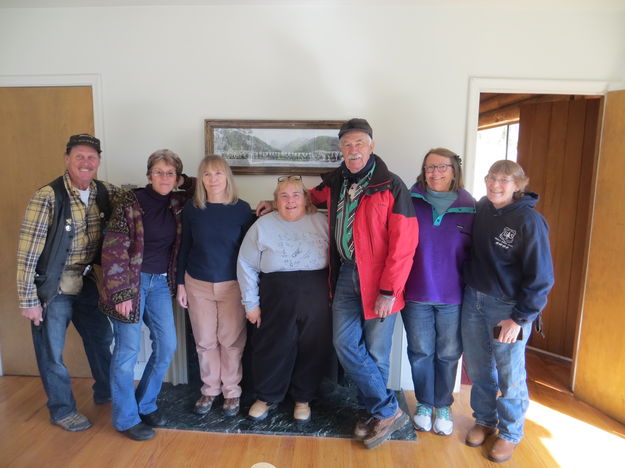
(204, 404)
(363, 425)
(231, 406)
(383, 429)
(478, 434)
(501, 450)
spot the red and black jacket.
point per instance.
(386, 233)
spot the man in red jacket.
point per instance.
(373, 233)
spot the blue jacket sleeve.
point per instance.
(537, 271)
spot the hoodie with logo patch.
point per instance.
(510, 256)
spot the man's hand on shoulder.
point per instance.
(264, 207)
(34, 314)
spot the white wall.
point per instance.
(406, 69)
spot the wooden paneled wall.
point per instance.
(557, 150)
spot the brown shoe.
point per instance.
(204, 404)
(383, 429)
(501, 450)
(231, 406)
(301, 412)
(363, 425)
(477, 435)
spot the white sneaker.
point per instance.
(422, 419)
(443, 424)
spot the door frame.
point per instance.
(92, 80)
(479, 85)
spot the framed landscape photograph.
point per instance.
(302, 147)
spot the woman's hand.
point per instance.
(264, 207)
(124, 308)
(181, 296)
(254, 316)
(509, 331)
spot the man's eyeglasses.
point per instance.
(167, 175)
(290, 177)
(439, 168)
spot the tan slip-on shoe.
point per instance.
(259, 410)
(301, 412)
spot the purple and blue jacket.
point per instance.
(444, 245)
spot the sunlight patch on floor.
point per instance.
(573, 442)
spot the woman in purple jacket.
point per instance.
(434, 288)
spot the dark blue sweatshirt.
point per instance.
(211, 238)
(510, 256)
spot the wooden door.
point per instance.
(557, 142)
(35, 124)
(599, 369)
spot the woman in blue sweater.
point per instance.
(509, 275)
(434, 288)
(214, 224)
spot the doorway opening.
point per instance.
(554, 138)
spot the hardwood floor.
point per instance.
(560, 431)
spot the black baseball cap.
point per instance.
(83, 139)
(360, 125)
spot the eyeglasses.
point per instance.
(501, 180)
(439, 168)
(290, 177)
(168, 174)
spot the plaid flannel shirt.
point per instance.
(34, 230)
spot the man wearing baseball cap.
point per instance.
(59, 243)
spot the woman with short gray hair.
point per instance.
(139, 254)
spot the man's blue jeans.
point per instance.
(494, 366)
(49, 340)
(157, 313)
(363, 346)
(434, 347)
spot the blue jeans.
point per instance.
(363, 346)
(494, 366)
(157, 312)
(49, 340)
(434, 347)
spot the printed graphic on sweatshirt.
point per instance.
(506, 238)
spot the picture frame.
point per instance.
(289, 147)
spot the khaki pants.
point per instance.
(218, 321)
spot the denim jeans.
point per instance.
(49, 340)
(156, 312)
(363, 346)
(494, 366)
(434, 347)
